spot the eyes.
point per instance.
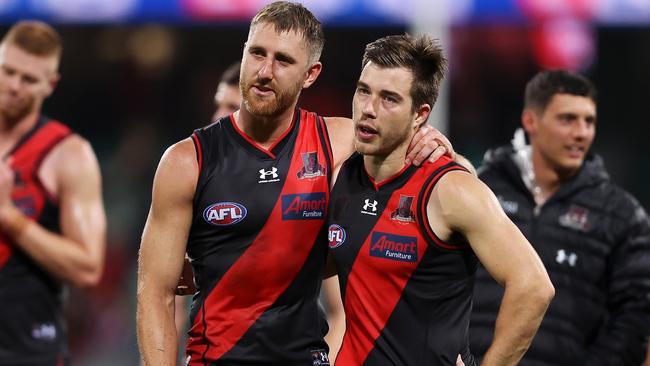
(24, 78)
(362, 91)
(388, 98)
(281, 58)
(570, 118)
(29, 79)
(256, 52)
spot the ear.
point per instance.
(52, 83)
(312, 74)
(529, 121)
(421, 115)
(243, 50)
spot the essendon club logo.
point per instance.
(311, 168)
(224, 213)
(577, 218)
(404, 212)
(394, 247)
(304, 206)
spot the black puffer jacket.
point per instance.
(594, 239)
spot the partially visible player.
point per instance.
(227, 98)
(592, 236)
(404, 239)
(333, 306)
(226, 101)
(52, 221)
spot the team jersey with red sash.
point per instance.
(258, 245)
(406, 293)
(32, 328)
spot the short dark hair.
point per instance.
(286, 16)
(545, 84)
(34, 37)
(231, 75)
(421, 55)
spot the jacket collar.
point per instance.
(591, 173)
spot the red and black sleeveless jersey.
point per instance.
(32, 330)
(258, 245)
(406, 293)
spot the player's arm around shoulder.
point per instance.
(462, 203)
(341, 134)
(71, 173)
(162, 251)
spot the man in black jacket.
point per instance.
(593, 237)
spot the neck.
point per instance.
(548, 178)
(12, 130)
(264, 130)
(382, 167)
(10, 127)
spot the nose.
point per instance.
(582, 129)
(13, 81)
(368, 107)
(266, 70)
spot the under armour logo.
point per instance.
(269, 176)
(370, 207)
(562, 257)
(265, 173)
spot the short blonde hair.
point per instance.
(287, 16)
(35, 37)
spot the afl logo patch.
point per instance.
(336, 236)
(224, 213)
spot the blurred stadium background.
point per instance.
(139, 75)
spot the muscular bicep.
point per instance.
(471, 209)
(164, 238)
(81, 208)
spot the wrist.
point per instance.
(13, 222)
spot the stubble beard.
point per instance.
(12, 114)
(384, 144)
(280, 102)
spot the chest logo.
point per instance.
(336, 236)
(403, 212)
(562, 257)
(44, 331)
(577, 218)
(304, 206)
(319, 357)
(311, 168)
(370, 207)
(224, 213)
(268, 176)
(394, 247)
